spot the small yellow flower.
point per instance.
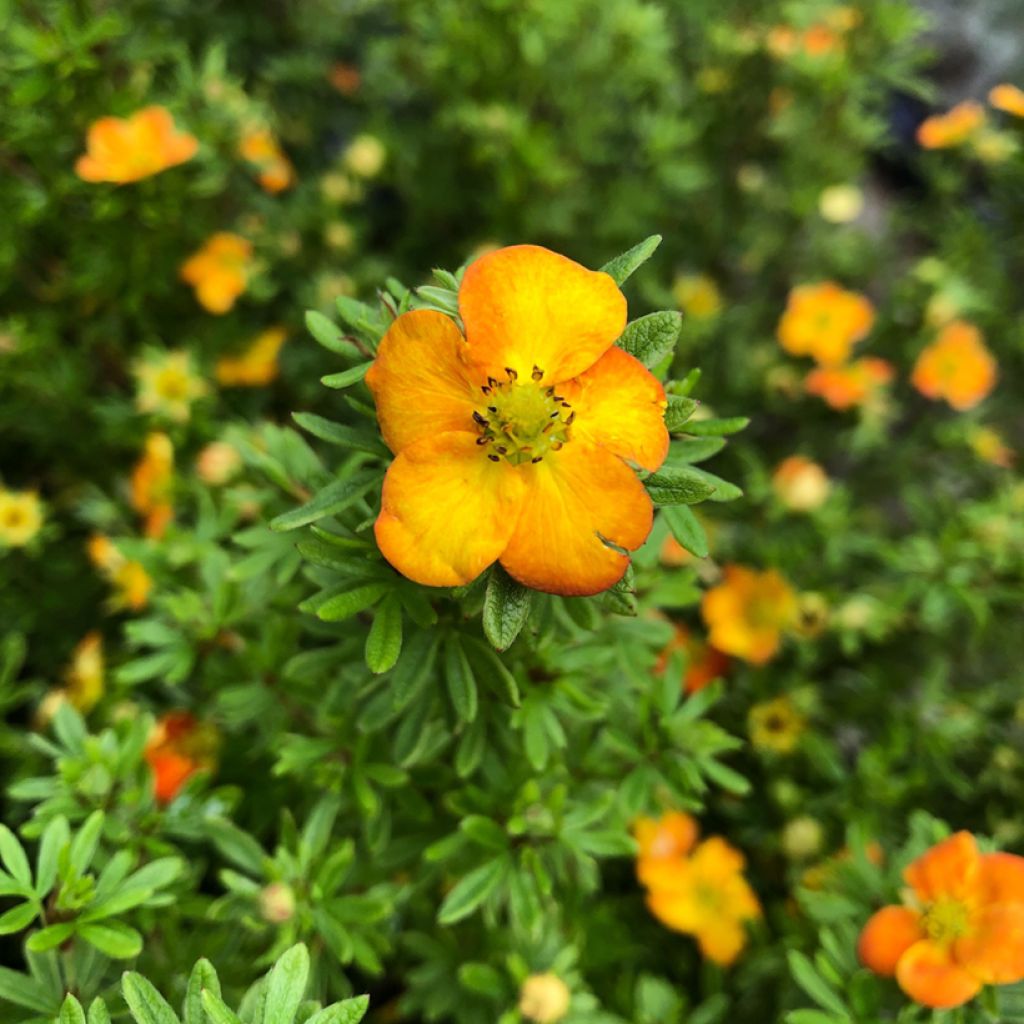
(544, 998)
(989, 445)
(168, 385)
(812, 615)
(21, 517)
(775, 725)
(84, 679)
(365, 156)
(339, 235)
(151, 484)
(841, 204)
(217, 463)
(800, 484)
(802, 838)
(340, 188)
(698, 296)
(219, 271)
(132, 584)
(277, 903)
(257, 365)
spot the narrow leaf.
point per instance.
(687, 529)
(203, 976)
(469, 892)
(622, 266)
(346, 378)
(678, 486)
(384, 641)
(459, 677)
(146, 1004)
(334, 498)
(286, 986)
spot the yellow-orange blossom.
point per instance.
(513, 442)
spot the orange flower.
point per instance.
(800, 484)
(700, 890)
(824, 321)
(133, 584)
(257, 365)
(747, 612)
(512, 442)
(962, 928)
(151, 483)
(219, 271)
(856, 383)
(704, 664)
(956, 366)
(260, 148)
(956, 126)
(128, 149)
(1008, 98)
(345, 78)
(178, 747)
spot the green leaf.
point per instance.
(48, 938)
(414, 668)
(69, 726)
(813, 984)
(469, 892)
(329, 501)
(113, 938)
(203, 976)
(493, 672)
(687, 529)
(716, 427)
(346, 378)
(678, 486)
(286, 986)
(814, 1017)
(678, 412)
(56, 836)
(83, 846)
(217, 1011)
(25, 991)
(460, 680)
(652, 338)
(622, 266)
(13, 856)
(694, 449)
(237, 846)
(99, 1014)
(18, 918)
(723, 490)
(506, 608)
(71, 1011)
(352, 600)
(326, 332)
(384, 641)
(340, 434)
(348, 1011)
(146, 1004)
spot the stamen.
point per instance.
(501, 450)
(539, 458)
(484, 439)
(537, 373)
(494, 458)
(492, 408)
(485, 389)
(512, 375)
(492, 382)
(480, 420)
(554, 415)
(569, 419)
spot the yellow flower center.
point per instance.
(13, 517)
(522, 421)
(172, 384)
(946, 920)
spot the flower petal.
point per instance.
(447, 511)
(420, 380)
(576, 497)
(525, 307)
(949, 869)
(993, 950)
(889, 933)
(721, 940)
(620, 406)
(928, 974)
(1002, 878)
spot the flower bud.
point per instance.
(544, 998)
(802, 838)
(277, 903)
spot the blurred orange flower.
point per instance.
(511, 441)
(955, 127)
(962, 927)
(219, 271)
(748, 611)
(345, 78)
(151, 484)
(843, 387)
(1008, 98)
(257, 365)
(704, 663)
(274, 170)
(800, 484)
(126, 149)
(956, 366)
(178, 747)
(698, 890)
(824, 321)
(131, 581)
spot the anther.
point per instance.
(492, 382)
(557, 398)
(556, 446)
(492, 408)
(501, 450)
(480, 420)
(537, 373)
(539, 458)
(512, 375)
(484, 439)
(494, 458)
(569, 419)
(550, 392)
(485, 389)
(554, 415)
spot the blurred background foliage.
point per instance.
(772, 145)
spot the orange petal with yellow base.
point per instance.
(672, 835)
(889, 933)
(993, 949)
(1002, 878)
(620, 406)
(577, 499)
(721, 941)
(949, 869)
(525, 306)
(447, 511)
(929, 975)
(421, 381)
